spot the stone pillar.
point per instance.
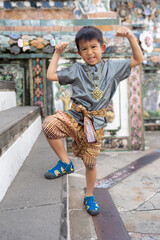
(136, 110)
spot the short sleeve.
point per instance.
(121, 69)
(68, 75)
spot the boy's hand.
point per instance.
(123, 32)
(60, 47)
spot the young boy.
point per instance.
(93, 85)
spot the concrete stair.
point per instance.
(34, 207)
(19, 129)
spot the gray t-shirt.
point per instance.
(82, 87)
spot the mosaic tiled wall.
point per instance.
(31, 32)
(142, 16)
(14, 73)
(85, 6)
(38, 83)
(151, 91)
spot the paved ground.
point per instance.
(35, 208)
(137, 197)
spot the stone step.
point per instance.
(13, 122)
(19, 129)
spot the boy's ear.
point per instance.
(79, 52)
(103, 48)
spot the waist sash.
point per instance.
(88, 120)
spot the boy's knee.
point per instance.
(90, 167)
(48, 124)
(45, 124)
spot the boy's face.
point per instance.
(91, 51)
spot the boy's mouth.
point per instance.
(91, 59)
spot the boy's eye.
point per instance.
(83, 49)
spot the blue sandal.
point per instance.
(91, 205)
(59, 170)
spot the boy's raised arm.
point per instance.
(52, 69)
(136, 50)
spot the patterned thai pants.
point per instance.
(61, 125)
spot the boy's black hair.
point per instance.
(89, 33)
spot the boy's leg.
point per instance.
(89, 200)
(54, 129)
(90, 179)
(89, 155)
(58, 146)
(64, 165)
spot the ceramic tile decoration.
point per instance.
(135, 110)
(29, 30)
(14, 73)
(38, 79)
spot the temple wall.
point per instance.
(29, 32)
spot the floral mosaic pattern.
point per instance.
(91, 6)
(146, 41)
(135, 110)
(151, 92)
(136, 12)
(14, 73)
(38, 84)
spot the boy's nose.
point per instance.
(89, 51)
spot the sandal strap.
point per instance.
(66, 166)
(89, 198)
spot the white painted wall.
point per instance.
(7, 100)
(13, 158)
(124, 131)
(120, 101)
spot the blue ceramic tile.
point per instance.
(114, 5)
(8, 5)
(15, 36)
(77, 13)
(69, 3)
(58, 4)
(9, 22)
(26, 23)
(35, 22)
(48, 23)
(147, 11)
(46, 4)
(139, 5)
(33, 4)
(20, 4)
(2, 22)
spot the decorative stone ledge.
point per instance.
(7, 86)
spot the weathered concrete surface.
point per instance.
(81, 224)
(33, 207)
(80, 218)
(136, 197)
